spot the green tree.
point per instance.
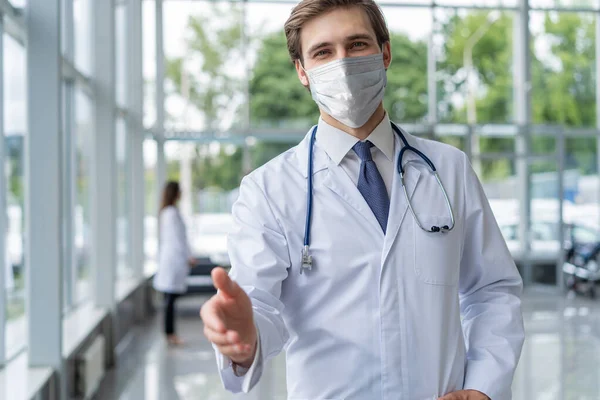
(492, 60)
(215, 88)
(277, 98)
(563, 81)
(564, 85)
(215, 38)
(406, 90)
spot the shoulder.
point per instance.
(169, 212)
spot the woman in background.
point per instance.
(174, 259)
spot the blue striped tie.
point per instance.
(371, 185)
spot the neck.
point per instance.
(362, 132)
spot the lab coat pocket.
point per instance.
(437, 255)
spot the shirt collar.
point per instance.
(338, 143)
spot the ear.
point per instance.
(301, 73)
(387, 55)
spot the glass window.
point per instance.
(488, 3)
(15, 129)
(123, 184)
(83, 140)
(460, 142)
(121, 54)
(206, 69)
(474, 65)
(277, 98)
(83, 35)
(580, 181)
(563, 68)
(149, 63)
(18, 3)
(581, 4)
(406, 91)
(209, 175)
(150, 219)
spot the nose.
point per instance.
(342, 52)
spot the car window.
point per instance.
(584, 235)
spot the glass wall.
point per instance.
(474, 59)
(79, 80)
(123, 207)
(83, 244)
(205, 72)
(121, 53)
(15, 134)
(82, 35)
(563, 68)
(149, 63)
(151, 207)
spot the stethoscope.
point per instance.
(307, 258)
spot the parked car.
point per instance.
(545, 248)
(207, 234)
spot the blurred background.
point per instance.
(203, 92)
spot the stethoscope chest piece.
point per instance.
(307, 260)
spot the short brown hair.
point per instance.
(308, 9)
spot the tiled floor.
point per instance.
(560, 361)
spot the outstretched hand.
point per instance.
(228, 320)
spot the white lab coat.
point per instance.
(173, 254)
(409, 315)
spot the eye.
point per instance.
(358, 45)
(321, 53)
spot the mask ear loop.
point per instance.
(305, 73)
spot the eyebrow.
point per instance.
(350, 38)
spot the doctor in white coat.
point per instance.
(396, 304)
(174, 258)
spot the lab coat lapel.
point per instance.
(398, 204)
(340, 183)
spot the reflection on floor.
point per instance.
(560, 361)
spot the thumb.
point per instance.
(223, 283)
(449, 396)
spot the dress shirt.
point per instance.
(338, 146)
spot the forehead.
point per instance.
(335, 26)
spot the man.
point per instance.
(392, 306)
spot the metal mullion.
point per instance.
(3, 218)
(43, 187)
(71, 73)
(160, 100)
(68, 194)
(69, 165)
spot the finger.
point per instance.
(236, 351)
(220, 339)
(223, 282)
(211, 317)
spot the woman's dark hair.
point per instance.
(170, 194)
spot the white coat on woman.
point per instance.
(174, 253)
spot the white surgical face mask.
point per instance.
(349, 89)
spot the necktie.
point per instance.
(371, 185)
